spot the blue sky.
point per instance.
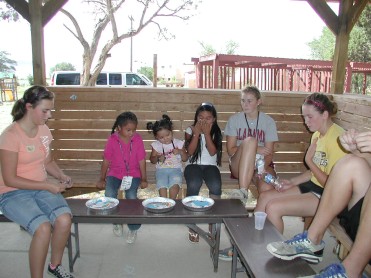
(275, 28)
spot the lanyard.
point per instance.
(122, 152)
(257, 124)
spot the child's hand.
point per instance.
(197, 129)
(101, 184)
(177, 151)
(206, 127)
(143, 184)
(161, 158)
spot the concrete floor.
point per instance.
(160, 251)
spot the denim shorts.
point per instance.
(31, 208)
(167, 177)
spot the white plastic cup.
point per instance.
(260, 217)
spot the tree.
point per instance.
(206, 49)
(359, 49)
(147, 71)
(6, 64)
(62, 66)
(107, 12)
(7, 12)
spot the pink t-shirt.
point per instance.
(124, 157)
(31, 152)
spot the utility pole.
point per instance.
(131, 42)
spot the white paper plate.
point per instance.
(158, 204)
(102, 203)
(198, 203)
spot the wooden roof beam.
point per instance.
(326, 14)
(21, 6)
(50, 9)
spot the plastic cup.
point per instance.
(260, 217)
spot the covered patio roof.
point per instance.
(39, 14)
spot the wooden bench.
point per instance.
(83, 119)
(250, 246)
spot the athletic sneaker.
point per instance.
(59, 272)
(300, 246)
(332, 271)
(226, 254)
(131, 236)
(118, 230)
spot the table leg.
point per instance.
(234, 261)
(213, 239)
(72, 258)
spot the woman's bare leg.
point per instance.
(243, 162)
(291, 205)
(347, 183)
(39, 249)
(360, 254)
(61, 232)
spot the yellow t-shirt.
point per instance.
(328, 150)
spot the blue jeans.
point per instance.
(112, 188)
(31, 208)
(195, 174)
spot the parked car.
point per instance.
(108, 79)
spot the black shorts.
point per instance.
(310, 187)
(349, 219)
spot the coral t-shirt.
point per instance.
(31, 152)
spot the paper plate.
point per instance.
(158, 204)
(198, 203)
(102, 204)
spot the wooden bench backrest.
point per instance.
(83, 119)
(84, 116)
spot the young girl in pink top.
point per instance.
(27, 197)
(124, 165)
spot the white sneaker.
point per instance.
(118, 230)
(131, 236)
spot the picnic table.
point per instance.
(133, 212)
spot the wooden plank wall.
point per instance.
(354, 111)
(84, 116)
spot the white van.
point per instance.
(107, 79)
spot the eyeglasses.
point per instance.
(207, 104)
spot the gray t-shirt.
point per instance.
(264, 130)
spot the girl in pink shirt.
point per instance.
(124, 165)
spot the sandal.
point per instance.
(193, 237)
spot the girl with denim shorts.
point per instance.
(168, 154)
(124, 165)
(27, 197)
